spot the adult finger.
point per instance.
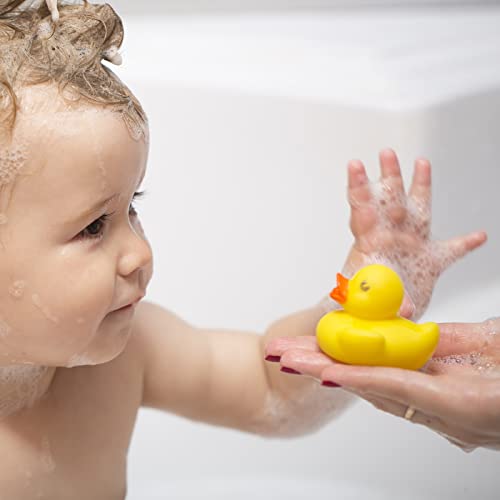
(461, 338)
(306, 362)
(436, 395)
(276, 347)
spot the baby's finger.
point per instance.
(462, 245)
(363, 215)
(408, 308)
(277, 346)
(306, 362)
(420, 189)
(389, 166)
(393, 182)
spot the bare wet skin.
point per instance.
(483, 360)
(65, 431)
(73, 443)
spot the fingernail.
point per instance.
(328, 383)
(274, 359)
(290, 370)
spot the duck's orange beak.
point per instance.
(339, 293)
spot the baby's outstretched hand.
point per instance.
(392, 227)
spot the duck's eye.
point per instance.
(364, 286)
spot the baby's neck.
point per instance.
(21, 386)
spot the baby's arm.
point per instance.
(220, 376)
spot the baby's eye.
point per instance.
(95, 230)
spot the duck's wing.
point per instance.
(351, 339)
(431, 333)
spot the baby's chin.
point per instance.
(106, 347)
(88, 359)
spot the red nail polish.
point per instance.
(274, 359)
(290, 370)
(328, 383)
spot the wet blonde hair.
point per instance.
(69, 54)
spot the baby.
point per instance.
(79, 352)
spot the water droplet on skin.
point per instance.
(5, 329)
(11, 162)
(476, 360)
(47, 458)
(80, 360)
(45, 310)
(17, 289)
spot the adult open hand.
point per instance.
(457, 393)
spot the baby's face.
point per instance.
(64, 271)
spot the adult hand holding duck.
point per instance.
(390, 227)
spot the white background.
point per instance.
(143, 6)
(253, 120)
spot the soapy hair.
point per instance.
(69, 53)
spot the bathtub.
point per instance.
(253, 119)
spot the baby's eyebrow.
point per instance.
(92, 210)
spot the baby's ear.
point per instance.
(407, 309)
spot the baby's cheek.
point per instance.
(84, 286)
(52, 316)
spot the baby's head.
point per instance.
(73, 151)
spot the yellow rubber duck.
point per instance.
(369, 331)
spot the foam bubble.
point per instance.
(5, 329)
(476, 360)
(16, 290)
(492, 325)
(302, 414)
(22, 382)
(45, 30)
(46, 457)
(80, 360)
(11, 162)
